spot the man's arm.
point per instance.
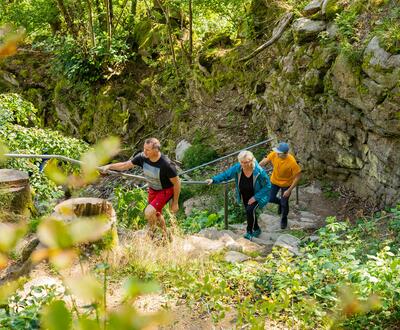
(265, 161)
(121, 166)
(294, 183)
(177, 190)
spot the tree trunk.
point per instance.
(68, 20)
(191, 31)
(91, 30)
(169, 29)
(109, 16)
(101, 16)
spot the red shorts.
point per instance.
(158, 198)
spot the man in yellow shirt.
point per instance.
(285, 176)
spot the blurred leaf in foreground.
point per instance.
(56, 316)
(98, 156)
(10, 234)
(87, 288)
(11, 40)
(54, 173)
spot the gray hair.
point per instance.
(155, 144)
(245, 154)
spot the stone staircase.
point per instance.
(238, 248)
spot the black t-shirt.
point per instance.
(158, 173)
(246, 187)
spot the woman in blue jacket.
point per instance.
(252, 188)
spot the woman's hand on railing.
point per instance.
(209, 181)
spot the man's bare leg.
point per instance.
(162, 225)
(150, 215)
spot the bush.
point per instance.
(198, 154)
(129, 205)
(24, 311)
(20, 139)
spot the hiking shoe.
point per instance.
(284, 223)
(248, 236)
(257, 233)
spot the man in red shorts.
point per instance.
(161, 175)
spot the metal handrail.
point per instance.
(141, 178)
(224, 157)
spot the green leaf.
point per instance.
(10, 234)
(98, 156)
(54, 233)
(87, 288)
(56, 316)
(54, 173)
(88, 229)
(134, 288)
(88, 324)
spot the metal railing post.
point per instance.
(226, 205)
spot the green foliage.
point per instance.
(88, 65)
(23, 312)
(388, 31)
(199, 220)
(198, 154)
(348, 278)
(38, 141)
(129, 205)
(15, 110)
(35, 16)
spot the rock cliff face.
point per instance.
(340, 112)
(343, 118)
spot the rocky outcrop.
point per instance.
(305, 29)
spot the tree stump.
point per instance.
(15, 195)
(74, 208)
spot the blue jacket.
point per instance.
(261, 183)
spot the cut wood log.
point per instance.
(276, 34)
(15, 195)
(74, 208)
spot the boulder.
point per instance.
(350, 86)
(312, 8)
(204, 244)
(311, 189)
(181, 148)
(269, 223)
(251, 247)
(332, 30)
(199, 203)
(330, 8)
(289, 242)
(215, 234)
(305, 29)
(235, 257)
(380, 65)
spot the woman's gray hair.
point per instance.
(245, 154)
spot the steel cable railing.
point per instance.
(143, 179)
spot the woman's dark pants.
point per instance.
(252, 223)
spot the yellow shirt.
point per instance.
(284, 170)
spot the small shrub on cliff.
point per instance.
(198, 154)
